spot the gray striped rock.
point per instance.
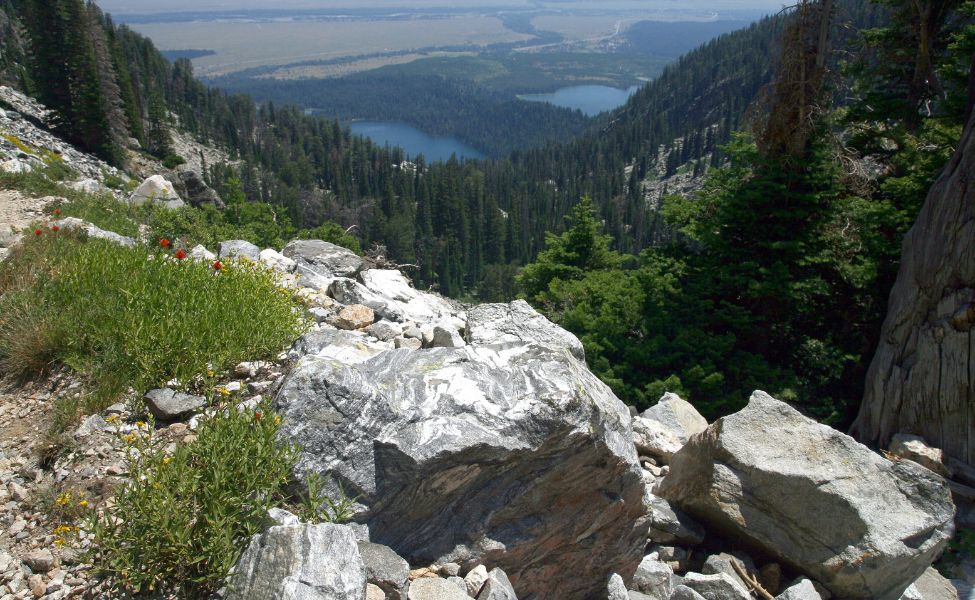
(513, 455)
(863, 526)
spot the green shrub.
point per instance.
(173, 160)
(134, 317)
(182, 519)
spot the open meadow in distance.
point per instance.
(243, 45)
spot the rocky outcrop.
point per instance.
(94, 232)
(198, 193)
(310, 562)
(508, 453)
(31, 145)
(863, 526)
(319, 262)
(920, 380)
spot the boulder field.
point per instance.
(481, 451)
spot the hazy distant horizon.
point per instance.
(173, 6)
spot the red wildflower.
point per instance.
(180, 255)
(164, 243)
(258, 416)
(55, 228)
(57, 211)
(38, 232)
(217, 265)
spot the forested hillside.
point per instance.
(461, 223)
(788, 252)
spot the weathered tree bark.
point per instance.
(921, 379)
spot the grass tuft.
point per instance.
(134, 317)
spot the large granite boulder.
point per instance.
(863, 526)
(515, 457)
(320, 262)
(300, 562)
(156, 190)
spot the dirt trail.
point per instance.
(20, 210)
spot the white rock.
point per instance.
(277, 261)
(475, 579)
(156, 190)
(202, 254)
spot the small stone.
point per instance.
(259, 387)
(498, 587)
(116, 409)
(449, 569)
(475, 580)
(616, 589)
(91, 425)
(916, 448)
(374, 592)
(168, 405)
(37, 585)
(18, 526)
(384, 330)
(355, 317)
(716, 587)
(446, 337)
(320, 315)
(40, 561)
(434, 588)
(18, 492)
(654, 578)
(421, 573)
(801, 589)
(408, 343)
(387, 569)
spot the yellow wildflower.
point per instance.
(112, 419)
(83, 504)
(130, 438)
(63, 499)
(140, 424)
(167, 460)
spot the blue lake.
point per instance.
(414, 141)
(590, 99)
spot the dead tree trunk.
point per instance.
(921, 379)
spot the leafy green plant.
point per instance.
(182, 519)
(317, 506)
(134, 317)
